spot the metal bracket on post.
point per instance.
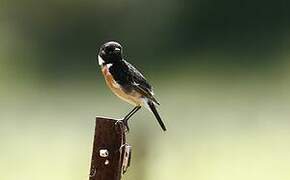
(111, 154)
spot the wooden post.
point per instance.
(111, 155)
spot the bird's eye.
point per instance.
(117, 49)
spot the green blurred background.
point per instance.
(220, 70)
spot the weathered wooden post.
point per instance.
(111, 154)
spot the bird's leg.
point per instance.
(129, 115)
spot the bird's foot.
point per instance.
(124, 122)
(126, 125)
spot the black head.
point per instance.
(110, 52)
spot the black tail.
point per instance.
(153, 109)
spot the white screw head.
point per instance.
(104, 153)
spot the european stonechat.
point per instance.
(126, 81)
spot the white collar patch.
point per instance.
(101, 61)
(109, 65)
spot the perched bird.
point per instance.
(126, 81)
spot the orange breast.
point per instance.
(133, 98)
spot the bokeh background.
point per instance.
(220, 69)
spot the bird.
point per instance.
(126, 81)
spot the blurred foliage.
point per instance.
(59, 38)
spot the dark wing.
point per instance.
(139, 83)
